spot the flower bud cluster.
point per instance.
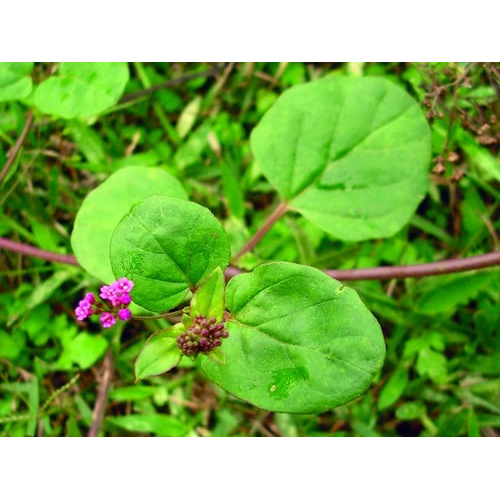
(116, 299)
(202, 336)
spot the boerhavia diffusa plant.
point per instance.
(350, 155)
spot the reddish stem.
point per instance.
(279, 211)
(37, 252)
(370, 273)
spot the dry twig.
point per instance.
(17, 146)
(102, 394)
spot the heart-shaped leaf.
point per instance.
(299, 342)
(15, 82)
(167, 246)
(82, 89)
(104, 207)
(160, 354)
(350, 154)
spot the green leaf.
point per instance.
(188, 117)
(432, 364)
(227, 421)
(33, 403)
(11, 345)
(190, 152)
(479, 155)
(448, 293)
(89, 141)
(208, 300)
(393, 389)
(15, 82)
(43, 291)
(86, 349)
(82, 89)
(423, 342)
(233, 192)
(488, 364)
(453, 425)
(161, 425)
(216, 355)
(473, 425)
(349, 154)
(299, 341)
(411, 411)
(265, 99)
(104, 207)
(166, 246)
(37, 325)
(160, 354)
(132, 393)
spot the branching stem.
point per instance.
(108, 369)
(24, 249)
(168, 83)
(370, 273)
(279, 211)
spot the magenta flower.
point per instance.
(84, 309)
(107, 293)
(107, 320)
(125, 299)
(118, 292)
(115, 299)
(90, 298)
(124, 285)
(82, 312)
(124, 314)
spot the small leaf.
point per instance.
(43, 291)
(448, 293)
(393, 389)
(11, 345)
(473, 424)
(349, 154)
(89, 142)
(299, 341)
(132, 393)
(188, 117)
(161, 425)
(86, 349)
(104, 207)
(208, 300)
(432, 364)
(82, 89)
(411, 411)
(166, 246)
(187, 321)
(15, 82)
(453, 425)
(480, 156)
(159, 355)
(233, 191)
(33, 403)
(216, 355)
(190, 152)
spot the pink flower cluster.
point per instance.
(116, 297)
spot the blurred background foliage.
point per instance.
(442, 372)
